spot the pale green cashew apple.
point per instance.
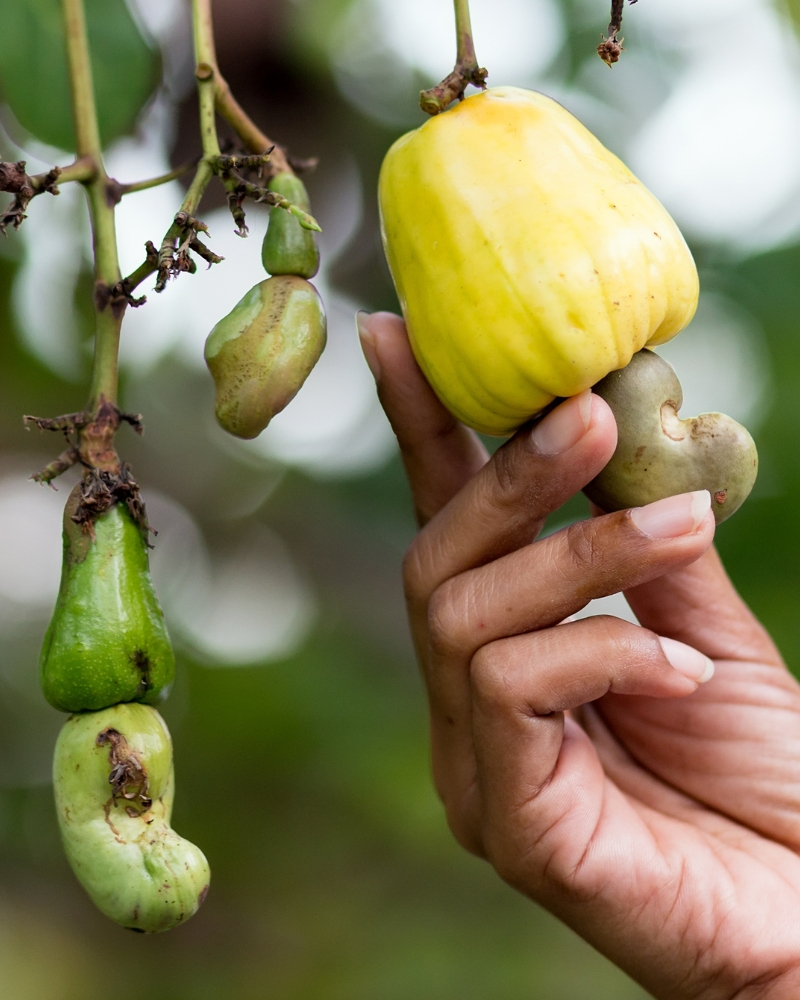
(114, 786)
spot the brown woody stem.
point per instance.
(610, 48)
(466, 70)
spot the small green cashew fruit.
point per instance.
(261, 353)
(114, 786)
(659, 455)
(106, 641)
(288, 248)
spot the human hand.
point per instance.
(656, 815)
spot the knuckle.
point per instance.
(414, 574)
(462, 827)
(506, 474)
(490, 674)
(447, 619)
(582, 545)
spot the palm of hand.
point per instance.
(708, 820)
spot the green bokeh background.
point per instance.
(306, 781)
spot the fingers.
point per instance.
(505, 505)
(699, 605)
(439, 453)
(531, 589)
(541, 584)
(520, 688)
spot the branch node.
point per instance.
(440, 97)
(610, 47)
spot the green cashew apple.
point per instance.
(659, 455)
(288, 248)
(261, 353)
(114, 785)
(107, 641)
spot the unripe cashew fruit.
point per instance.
(264, 349)
(659, 455)
(287, 247)
(107, 641)
(114, 786)
(529, 261)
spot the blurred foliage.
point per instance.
(306, 781)
(33, 68)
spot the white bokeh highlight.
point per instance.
(30, 546)
(246, 604)
(381, 50)
(722, 152)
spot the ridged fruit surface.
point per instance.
(107, 641)
(529, 261)
(114, 785)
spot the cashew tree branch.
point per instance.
(108, 309)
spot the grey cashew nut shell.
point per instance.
(659, 454)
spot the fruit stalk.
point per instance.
(466, 71)
(108, 309)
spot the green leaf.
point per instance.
(33, 68)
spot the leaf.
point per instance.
(34, 81)
(793, 10)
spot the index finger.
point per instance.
(440, 454)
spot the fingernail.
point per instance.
(368, 344)
(674, 516)
(687, 660)
(564, 426)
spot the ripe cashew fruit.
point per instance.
(114, 786)
(528, 260)
(107, 641)
(287, 247)
(658, 454)
(261, 353)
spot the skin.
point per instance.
(107, 641)
(118, 838)
(658, 818)
(261, 353)
(528, 260)
(287, 247)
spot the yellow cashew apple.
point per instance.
(529, 261)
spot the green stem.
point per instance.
(208, 74)
(250, 134)
(101, 207)
(465, 47)
(201, 180)
(155, 181)
(205, 71)
(466, 70)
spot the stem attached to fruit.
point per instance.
(466, 70)
(109, 309)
